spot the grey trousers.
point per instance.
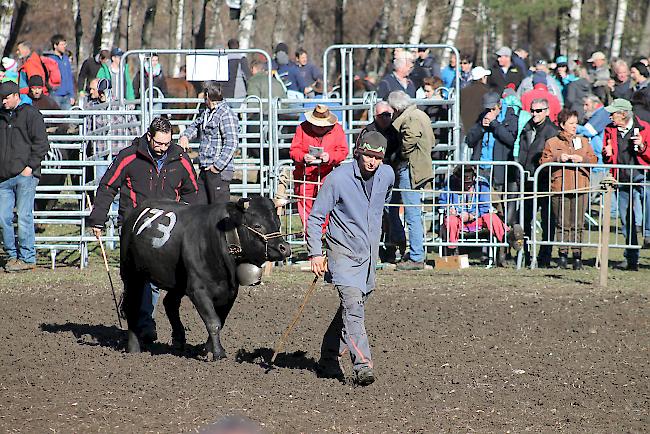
(347, 330)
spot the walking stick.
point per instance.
(280, 344)
(110, 279)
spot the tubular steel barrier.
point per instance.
(498, 204)
(346, 52)
(575, 212)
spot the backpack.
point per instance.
(52, 73)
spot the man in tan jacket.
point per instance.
(414, 173)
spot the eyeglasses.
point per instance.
(465, 63)
(156, 142)
(540, 110)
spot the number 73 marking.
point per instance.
(156, 242)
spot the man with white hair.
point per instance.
(399, 78)
(414, 173)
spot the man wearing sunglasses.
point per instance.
(151, 168)
(533, 137)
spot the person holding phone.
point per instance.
(569, 208)
(626, 142)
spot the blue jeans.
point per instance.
(62, 101)
(632, 213)
(18, 191)
(150, 295)
(412, 216)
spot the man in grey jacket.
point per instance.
(353, 196)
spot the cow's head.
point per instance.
(258, 227)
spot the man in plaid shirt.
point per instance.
(219, 128)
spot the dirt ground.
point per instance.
(473, 351)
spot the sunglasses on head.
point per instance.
(538, 110)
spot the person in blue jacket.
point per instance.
(64, 95)
(353, 196)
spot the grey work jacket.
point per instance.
(354, 227)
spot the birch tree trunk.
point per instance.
(419, 21)
(383, 34)
(573, 34)
(612, 7)
(619, 28)
(452, 30)
(7, 8)
(110, 12)
(302, 28)
(246, 23)
(514, 34)
(281, 19)
(216, 26)
(644, 45)
(179, 9)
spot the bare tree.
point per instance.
(644, 45)
(619, 28)
(419, 21)
(246, 23)
(199, 23)
(302, 28)
(78, 32)
(452, 30)
(612, 7)
(7, 8)
(148, 22)
(178, 12)
(216, 26)
(280, 24)
(110, 12)
(573, 33)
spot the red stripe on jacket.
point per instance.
(188, 166)
(121, 167)
(131, 191)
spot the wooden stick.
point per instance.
(110, 280)
(280, 344)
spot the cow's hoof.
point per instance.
(218, 356)
(133, 346)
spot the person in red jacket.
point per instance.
(30, 64)
(318, 146)
(627, 141)
(540, 90)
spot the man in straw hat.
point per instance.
(354, 196)
(318, 146)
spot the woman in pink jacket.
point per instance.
(318, 146)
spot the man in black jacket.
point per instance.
(504, 72)
(533, 137)
(151, 168)
(23, 145)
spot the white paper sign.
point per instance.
(577, 143)
(204, 67)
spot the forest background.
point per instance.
(546, 28)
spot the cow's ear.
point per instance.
(243, 203)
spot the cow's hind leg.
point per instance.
(213, 324)
(172, 303)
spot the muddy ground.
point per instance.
(475, 351)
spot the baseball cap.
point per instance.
(597, 55)
(490, 100)
(504, 51)
(281, 47)
(539, 77)
(561, 60)
(117, 51)
(619, 105)
(8, 88)
(479, 72)
(372, 144)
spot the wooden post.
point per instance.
(604, 239)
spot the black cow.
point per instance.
(194, 251)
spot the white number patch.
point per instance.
(156, 242)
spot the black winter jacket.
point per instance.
(505, 134)
(23, 141)
(531, 147)
(135, 174)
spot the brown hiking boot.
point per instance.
(14, 265)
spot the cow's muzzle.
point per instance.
(283, 246)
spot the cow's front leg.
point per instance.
(213, 324)
(131, 305)
(172, 303)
